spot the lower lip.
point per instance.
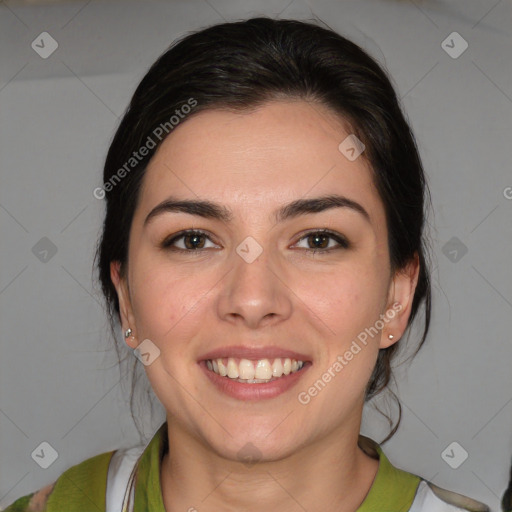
(259, 391)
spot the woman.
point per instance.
(263, 251)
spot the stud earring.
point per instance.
(128, 333)
(390, 336)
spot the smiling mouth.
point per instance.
(249, 371)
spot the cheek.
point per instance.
(347, 300)
(166, 304)
(170, 309)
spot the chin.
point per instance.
(252, 451)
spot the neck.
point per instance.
(194, 477)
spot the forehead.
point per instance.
(258, 161)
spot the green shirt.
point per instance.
(82, 488)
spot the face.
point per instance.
(266, 272)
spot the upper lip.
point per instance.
(254, 353)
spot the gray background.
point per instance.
(59, 378)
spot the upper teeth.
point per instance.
(261, 369)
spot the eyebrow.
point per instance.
(211, 210)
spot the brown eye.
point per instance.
(191, 241)
(321, 241)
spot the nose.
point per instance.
(255, 294)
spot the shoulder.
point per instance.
(80, 488)
(401, 490)
(34, 502)
(429, 497)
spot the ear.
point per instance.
(125, 306)
(400, 299)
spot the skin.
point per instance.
(188, 303)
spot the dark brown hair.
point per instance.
(241, 65)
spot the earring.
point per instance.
(390, 336)
(128, 333)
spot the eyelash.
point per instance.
(342, 241)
